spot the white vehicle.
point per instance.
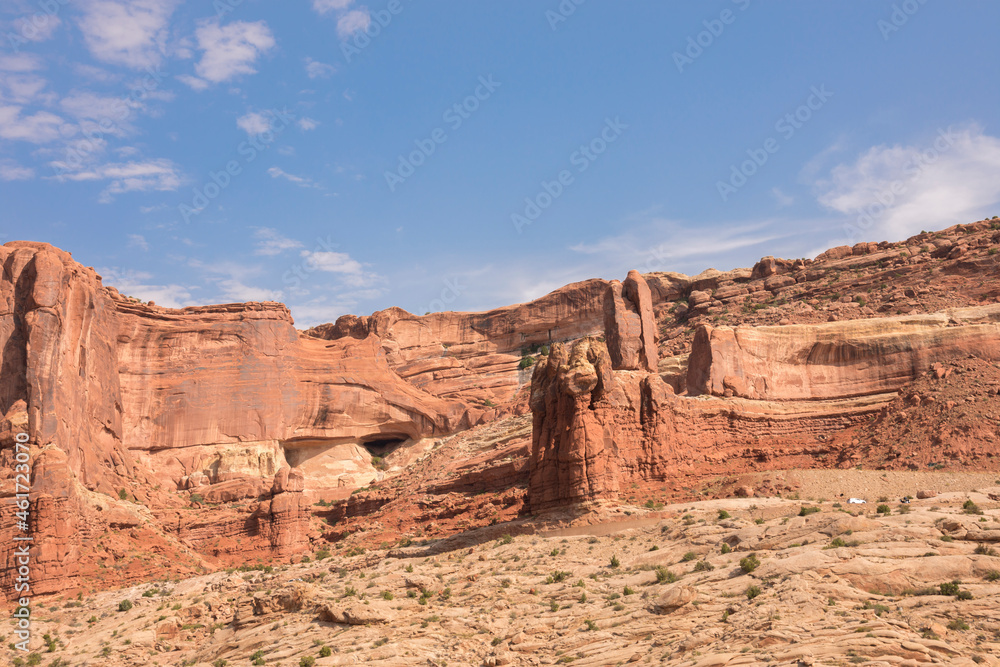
(857, 501)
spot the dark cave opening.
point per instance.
(384, 444)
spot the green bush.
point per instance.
(689, 556)
(526, 362)
(723, 514)
(970, 507)
(257, 658)
(883, 509)
(122, 494)
(615, 562)
(750, 563)
(325, 652)
(307, 661)
(197, 498)
(751, 592)
(949, 588)
(806, 511)
(124, 605)
(958, 624)
(726, 548)
(664, 576)
(703, 566)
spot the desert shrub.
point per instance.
(615, 562)
(992, 575)
(883, 509)
(257, 658)
(723, 514)
(749, 563)
(985, 550)
(970, 507)
(688, 557)
(751, 592)
(124, 605)
(806, 511)
(949, 588)
(958, 624)
(197, 498)
(526, 362)
(664, 576)
(703, 566)
(725, 548)
(122, 494)
(557, 576)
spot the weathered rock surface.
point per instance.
(839, 359)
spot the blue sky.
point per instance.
(345, 157)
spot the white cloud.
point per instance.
(138, 241)
(892, 192)
(236, 291)
(39, 27)
(135, 283)
(132, 33)
(152, 175)
(111, 112)
(24, 89)
(307, 123)
(317, 70)
(781, 198)
(228, 51)
(302, 181)
(40, 128)
(272, 242)
(11, 171)
(327, 6)
(333, 262)
(254, 123)
(20, 62)
(352, 22)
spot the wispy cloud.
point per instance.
(308, 124)
(272, 242)
(892, 192)
(39, 128)
(151, 175)
(11, 171)
(302, 181)
(327, 6)
(139, 285)
(317, 70)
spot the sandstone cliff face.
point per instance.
(121, 398)
(475, 357)
(784, 391)
(839, 359)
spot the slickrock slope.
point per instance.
(843, 585)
